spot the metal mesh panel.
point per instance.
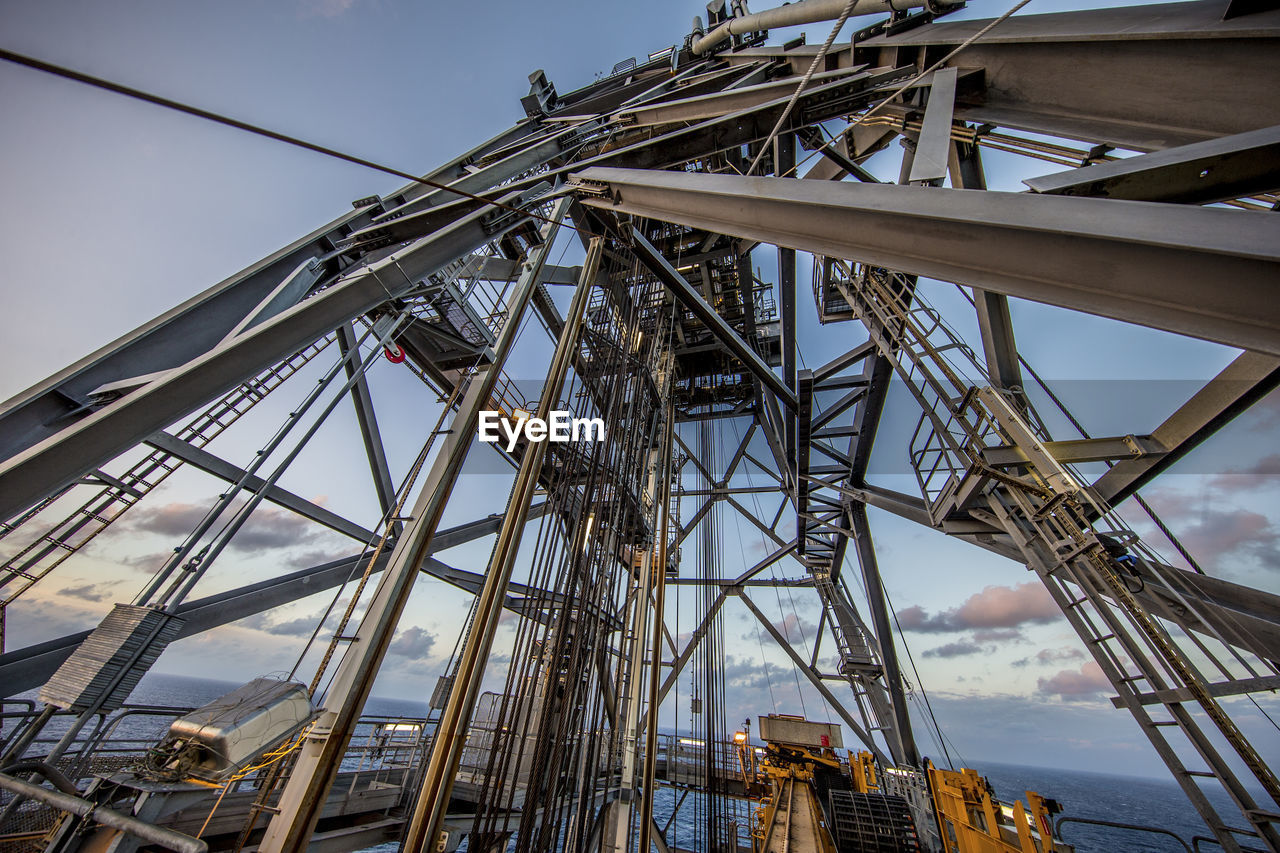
(111, 660)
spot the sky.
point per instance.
(115, 211)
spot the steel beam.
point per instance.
(816, 680)
(317, 764)
(1225, 168)
(1079, 450)
(68, 453)
(436, 783)
(1143, 263)
(172, 339)
(1249, 378)
(723, 332)
(29, 667)
(1145, 77)
(195, 326)
(857, 516)
(224, 470)
(784, 160)
(995, 322)
(934, 146)
(367, 419)
(722, 103)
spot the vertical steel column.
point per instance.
(659, 603)
(645, 665)
(994, 321)
(451, 732)
(308, 787)
(906, 748)
(784, 161)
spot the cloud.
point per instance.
(414, 642)
(148, 563)
(1246, 479)
(88, 591)
(745, 673)
(268, 528)
(174, 519)
(793, 627)
(999, 635)
(1059, 655)
(1233, 534)
(1052, 656)
(1230, 539)
(955, 650)
(994, 607)
(325, 8)
(303, 626)
(1084, 683)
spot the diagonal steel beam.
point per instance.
(814, 679)
(362, 400)
(65, 455)
(224, 470)
(29, 667)
(723, 332)
(1249, 378)
(1228, 167)
(1143, 263)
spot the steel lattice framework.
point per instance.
(673, 172)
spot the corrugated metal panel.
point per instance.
(111, 660)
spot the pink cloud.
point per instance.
(994, 607)
(1071, 684)
(1254, 476)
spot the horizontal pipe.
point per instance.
(166, 838)
(795, 14)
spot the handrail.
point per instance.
(1117, 825)
(150, 833)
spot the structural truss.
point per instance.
(1157, 130)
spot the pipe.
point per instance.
(52, 774)
(149, 833)
(806, 12)
(436, 785)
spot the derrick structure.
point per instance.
(677, 174)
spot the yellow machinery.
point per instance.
(974, 821)
(970, 817)
(809, 800)
(813, 800)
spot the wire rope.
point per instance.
(257, 130)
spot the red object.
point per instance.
(826, 741)
(396, 356)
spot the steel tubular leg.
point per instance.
(451, 733)
(655, 668)
(317, 765)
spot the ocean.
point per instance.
(1099, 796)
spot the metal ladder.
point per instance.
(56, 543)
(1045, 512)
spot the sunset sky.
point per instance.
(117, 210)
